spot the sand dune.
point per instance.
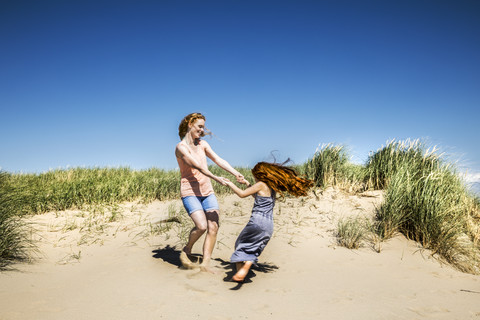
(122, 266)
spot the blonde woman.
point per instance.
(196, 189)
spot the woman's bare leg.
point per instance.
(210, 238)
(200, 221)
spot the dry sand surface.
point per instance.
(123, 264)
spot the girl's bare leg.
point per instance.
(239, 265)
(242, 270)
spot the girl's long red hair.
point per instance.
(281, 178)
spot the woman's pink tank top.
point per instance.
(193, 182)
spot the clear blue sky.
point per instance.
(105, 83)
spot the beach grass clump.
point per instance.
(354, 177)
(326, 166)
(385, 162)
(431, 204)
(330, 166)
(15, 236)
(351, 232)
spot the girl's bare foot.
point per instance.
(242, 271)
(239, 276)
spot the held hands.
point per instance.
(241, 179)
(245, 182)
(225, 182)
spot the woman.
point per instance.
(196, 189)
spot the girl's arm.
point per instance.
(259, 186)
(221, 162)
(182, 152)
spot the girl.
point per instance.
(196, 188)
(270, 178)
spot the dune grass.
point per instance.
(15, 239)
(351, 232)
(382, 164)
(427, 201)
(330, 166)
(75, 188)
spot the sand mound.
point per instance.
(125, 262)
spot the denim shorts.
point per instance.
(194, 203)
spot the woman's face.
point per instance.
(197, 128)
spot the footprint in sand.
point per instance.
(429, 310)
(193, 288)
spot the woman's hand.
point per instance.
(227, 182)
(221, 180)
(241, 179)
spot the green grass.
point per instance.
(381, 165)
(76, 188)
(427, 201)
(330, 166)
(15, 239)
(351, 232)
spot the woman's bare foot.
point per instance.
(206, 268)
(186, 262)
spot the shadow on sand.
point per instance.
(168, 254)
(172, 255)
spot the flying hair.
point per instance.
(281, 178)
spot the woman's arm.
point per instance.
(183, 153)
(221, 162)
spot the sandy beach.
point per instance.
(123, 263)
